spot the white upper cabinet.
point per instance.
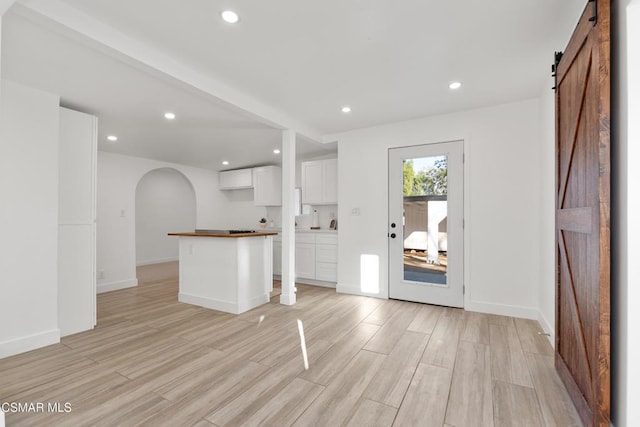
(235, 179)
(330, 181)
(320, 182)
(311, 182)
(267, 186)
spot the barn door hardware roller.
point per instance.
(557, 56)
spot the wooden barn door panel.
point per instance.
(582, 215)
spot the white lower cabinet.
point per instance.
(316, 256)
(305, 260)
(327, 257)
(326, 271)
(277, 256)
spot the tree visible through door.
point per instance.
(425, 223)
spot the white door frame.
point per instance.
(453, 293)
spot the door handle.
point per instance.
(392, 235)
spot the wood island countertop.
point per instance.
(225, 234)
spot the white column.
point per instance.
(288, 295)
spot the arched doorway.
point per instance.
(165, 201)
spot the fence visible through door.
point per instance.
(425, 223)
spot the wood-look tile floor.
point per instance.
(154, 361)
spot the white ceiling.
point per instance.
(389, 61)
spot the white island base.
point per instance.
(230, 274)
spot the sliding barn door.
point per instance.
(582, 216)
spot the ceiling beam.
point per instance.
(108, 40)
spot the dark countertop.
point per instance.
(224, 234)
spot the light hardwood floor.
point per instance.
(154, 361)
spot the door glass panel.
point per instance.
(425, 220)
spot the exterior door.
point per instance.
(582, 216)
(425, 224)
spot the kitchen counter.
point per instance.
(227, 271)
(225, 234)
(303, 230)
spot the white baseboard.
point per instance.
(309, 282)
(115, 286)
(156, 261)
(502, 309)
(316, 283)
(356, 291)
(226, 306)
(548, 328)
(28, 343)
(288, 299)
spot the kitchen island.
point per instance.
(225, 270)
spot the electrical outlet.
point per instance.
(355, 212)
(101, 274)
(332, 215)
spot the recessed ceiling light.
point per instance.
(169, 116)
(276, 151)
(346, 109)
(225, 162)
(230, 16)
(112, 138)
(455, 85)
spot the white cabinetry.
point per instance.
(327, 257)
(317, 257)
(267, 186)
(277, 255)
(330, 181)
(311, 182)
(235, 179)
(320, 182)
(305, 255)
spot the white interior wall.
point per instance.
(28, 218)
(502, 271)
(118, 177)
(546, 143)
(625, 211)
(239, 211)
(633, 200)
(165, 202)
